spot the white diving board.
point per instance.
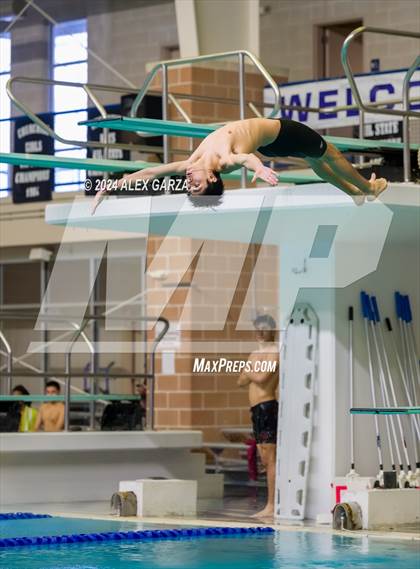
(291, 211)
(196, 130)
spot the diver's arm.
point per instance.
(253, 163)
(155, 172)
(145, 174)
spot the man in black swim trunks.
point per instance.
(263, 400)
(233, 145)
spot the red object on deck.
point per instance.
(252, 459)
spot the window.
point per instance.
(70, 103)
(5, 58)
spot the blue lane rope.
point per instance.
(159, 534)
(23, 516)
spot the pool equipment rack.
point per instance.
(366, 312)
(296, 412)
(389, 381)
(412, 410)
(392, 400)
(352, 472)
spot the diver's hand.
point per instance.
(100, 194)
(266, 174)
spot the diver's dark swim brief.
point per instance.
(295, 139)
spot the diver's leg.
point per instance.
(328, 175)
(343, 169)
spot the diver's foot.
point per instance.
(359, 199)
(377, 185)
(267, 512)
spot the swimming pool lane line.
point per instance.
(23, 516)
(145, 535)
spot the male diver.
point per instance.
(233, 145)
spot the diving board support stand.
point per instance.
(296, 412)
(384, 507)
(163, 497)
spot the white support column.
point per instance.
(220, 25)
(187, 28)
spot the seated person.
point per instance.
(28, 415)
(51, 413)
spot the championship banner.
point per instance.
(326, 93)
(98, 134)
(32, 184)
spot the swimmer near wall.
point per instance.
(209, 283)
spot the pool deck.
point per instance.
(229, 512)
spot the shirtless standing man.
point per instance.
(51, 414)
(233, 145)
(263, 402)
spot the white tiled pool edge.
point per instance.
(185, 521)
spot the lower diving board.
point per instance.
(196, 130)
(385, 411)
(95, 164)
(47, 161)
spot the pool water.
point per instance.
(62, 526)
(281, 550)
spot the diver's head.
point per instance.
(202, 182)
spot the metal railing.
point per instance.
(378, 107)
(163, 67)
(406, 113)
(68, 372)
(88, 88)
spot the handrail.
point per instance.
(199, 59)
(150, 415)
(80, 333)
(4, 316)
(165, 65)
(194, 97)
(67, 386)
(87, 87)
(9, 360)
(364, 107)
(349, 73)
(92, 406)
(406, 124)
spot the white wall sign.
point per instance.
(336, 92)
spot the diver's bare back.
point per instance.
(238, 137)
